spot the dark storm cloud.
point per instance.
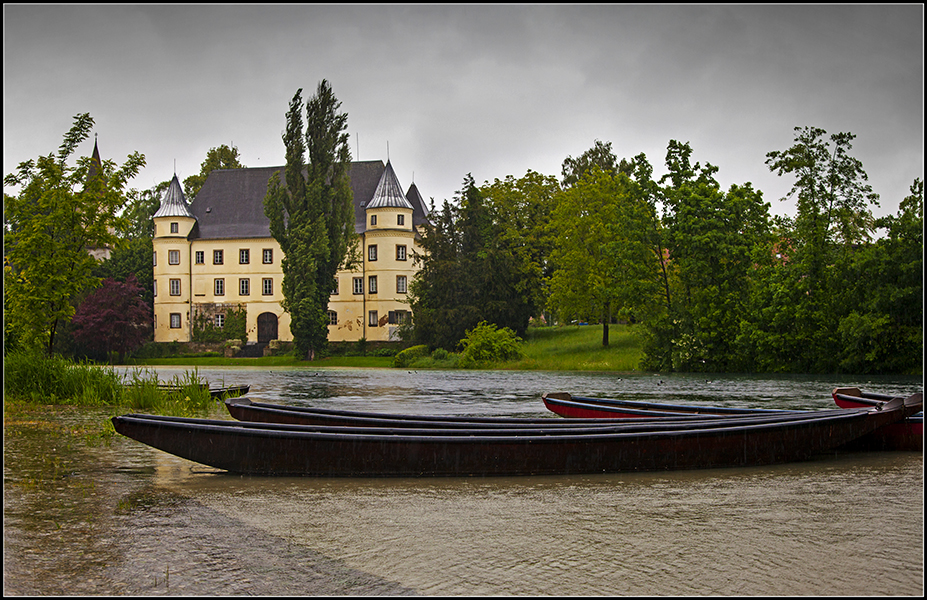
(487, 90)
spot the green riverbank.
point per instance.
(570, 348)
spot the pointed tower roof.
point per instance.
(389, 192)
(173, 204)
(95, 163)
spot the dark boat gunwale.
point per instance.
(243, 409)
(626, 426)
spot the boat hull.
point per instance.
(293, 451)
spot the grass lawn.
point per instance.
(569, 348)
(579, 348)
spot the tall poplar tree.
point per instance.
(311, 213)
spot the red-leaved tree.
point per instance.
(113, 318)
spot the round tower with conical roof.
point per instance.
(173, 223)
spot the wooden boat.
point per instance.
(244, 409)
(232, 391)
(905, 435)
(217, 393)
(566, 405)
(734, 440)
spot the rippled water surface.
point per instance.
(128, 519)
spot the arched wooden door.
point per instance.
(267, 327)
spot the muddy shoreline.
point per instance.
(78, 523)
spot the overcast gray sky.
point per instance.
(488, 90)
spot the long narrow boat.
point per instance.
(244, 409)
(271, 449)
(580, 407)
(905, 435)
(218, 393)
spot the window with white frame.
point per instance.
(268, 256)
(358, 285)
(372, 284)
(400, 252)
(219, 287)
(154, 259)
(244, 256)
(244, 287)
(372, 252)
(332, 317)
(401, 284)
(400, 220)
(372, 320)
(220, 320)
(267, 286)
(175, 320)
(217, 257)
(175, 228)
(173, 257)
(199, 257)
(175, 287)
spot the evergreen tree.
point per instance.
(472, 271)
(311, 214)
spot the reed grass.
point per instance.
(40, 379)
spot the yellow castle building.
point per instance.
(216, 254)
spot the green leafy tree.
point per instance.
(881, 305)
(599, 156)
(59, 212)
(712, 239)
(221, 157)
(832, 199)
(604, 264)
(311, 214)
(141, 206)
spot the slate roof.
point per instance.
(173, 204)
(419, 208)
(231, 202)
(389, 192)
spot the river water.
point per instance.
(123, 518)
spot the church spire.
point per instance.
(96, 165)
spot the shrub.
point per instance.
(407, 356)
(486, 343)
